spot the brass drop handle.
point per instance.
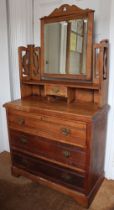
(66, 177)
(25, 162)
(66, 154)
(65, 131)
(20, 121)
(55, 90)
(23, 140)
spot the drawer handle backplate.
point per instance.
(23, 140)
(25, 162)
(65, 131)
(66, 154)
(67, 177)
(20, 121)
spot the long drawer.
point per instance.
(52, 128)
(49, 171)
(55, 151)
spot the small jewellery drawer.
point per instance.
(55, 151)
(56, 90)
(50, 171)
(51, 128)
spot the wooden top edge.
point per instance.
(81, 111)
(67, 9)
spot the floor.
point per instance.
(21, 193)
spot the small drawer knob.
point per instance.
(55, 90)
(65, 131)
(20, 121)
(66, 154)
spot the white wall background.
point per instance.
(109, 163)
(4, 75)
(21, 17)
(20, 25)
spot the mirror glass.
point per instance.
(65, 45)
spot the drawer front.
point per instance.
(49, 171)
(67, 154)
(54, 129)
(57, 90)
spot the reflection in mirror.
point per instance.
(65, 45)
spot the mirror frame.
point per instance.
(64, 13)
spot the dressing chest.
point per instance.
(57, 130)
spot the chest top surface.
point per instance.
(83, 111)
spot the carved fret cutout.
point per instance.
(100, 61)
(26, 64)
(105, 63)
(36, 63)
(29, 63)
